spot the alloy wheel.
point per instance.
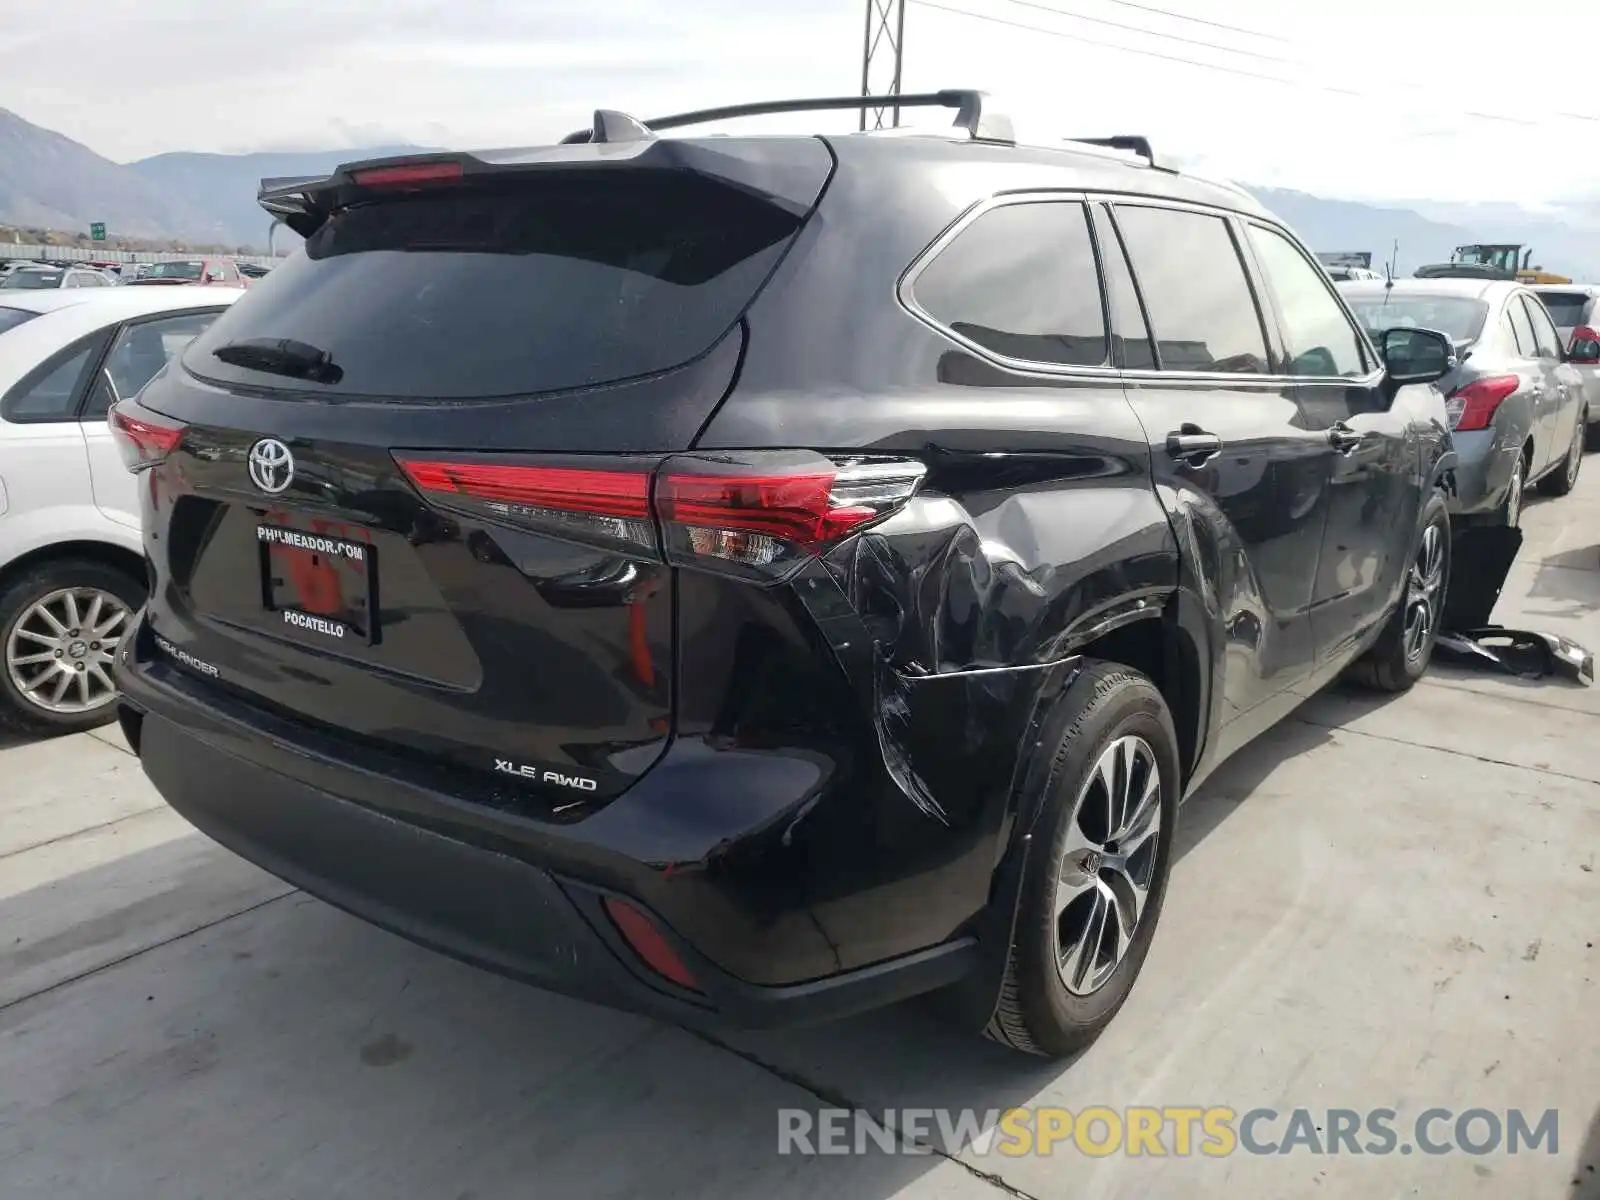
(59, 650)
(1424, 592)
(1575, 454)
(1107, 865)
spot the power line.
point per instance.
(1176, 16)
(1171, 37)
(1190, 62)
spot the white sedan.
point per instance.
(71, 559)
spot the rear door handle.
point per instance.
(1344, 439)
(1193, 445)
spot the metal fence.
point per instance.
(10, 250)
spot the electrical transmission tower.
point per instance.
(882, 53)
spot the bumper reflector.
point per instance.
(648, 943)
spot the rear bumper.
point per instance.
(1482, 472)
(529, 920)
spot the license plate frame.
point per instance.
(302, 569)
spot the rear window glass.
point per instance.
(31, 280)
(10, 318)
(1458, 316)
(1566, 308)
(473, 293)
(173, 270)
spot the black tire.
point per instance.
(17, 596)
(1562, 480)
(1393, 664)
(1037, 1013)
(1591, 434)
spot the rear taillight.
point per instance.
(756, 513)
(143, 439)
(589, 504)
(761, 513)
(1473, 407)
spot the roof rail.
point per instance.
(981, 125)
(1134, 142)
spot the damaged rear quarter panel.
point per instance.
(941, 630)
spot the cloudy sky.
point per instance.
(1356, 98)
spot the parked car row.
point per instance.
(45, 276)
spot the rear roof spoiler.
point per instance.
(303, 204)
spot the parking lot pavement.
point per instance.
(1382, 904)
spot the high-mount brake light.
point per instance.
(407, 174)
(1473, 407)
(761, 513)
(142, 438)
(584, 503)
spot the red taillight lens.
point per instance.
(761, 513)
(649, 943)
(407, 175)
(1473, 406)
(142, 438)
(754, 513)
(609, 506)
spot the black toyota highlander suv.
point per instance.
(753, 579)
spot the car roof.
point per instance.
(1474, 289)
(117, 304)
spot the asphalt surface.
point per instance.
(1384, 903)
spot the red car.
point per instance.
(218, 271)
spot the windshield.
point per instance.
(173, 270)
(474, 293)
(1503, 257)
(1457, 316)
(31, 280)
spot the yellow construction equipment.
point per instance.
(1491, 260)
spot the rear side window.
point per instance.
(577, 280)
(1321, 339)
(10, 318)
(1566, 308)
(1202, 311)
(1020, 281)
(1521, 328)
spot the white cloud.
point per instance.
(1365, 98)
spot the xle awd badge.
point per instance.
(506, 767)
(271, 466)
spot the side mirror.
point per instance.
(1585, 347)
(1416, 355)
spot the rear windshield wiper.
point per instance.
(282, 356)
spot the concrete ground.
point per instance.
(1382, 904)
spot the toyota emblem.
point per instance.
(271, 466)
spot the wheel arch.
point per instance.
(104, 552)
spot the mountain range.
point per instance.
(50, 181)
